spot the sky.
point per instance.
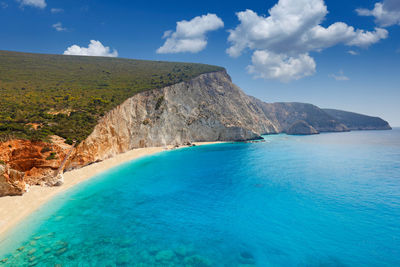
(333, 53)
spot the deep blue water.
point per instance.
(324, 200)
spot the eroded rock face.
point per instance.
(285, 115)
(11, 182)
(301, 128)
(207, 108)
(37, 161)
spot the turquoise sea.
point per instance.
(325, 200)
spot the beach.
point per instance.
(15, 208)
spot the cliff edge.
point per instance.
(207, 108)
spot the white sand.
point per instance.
(16, 208)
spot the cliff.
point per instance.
(207, 108)
(25, 163)
(285, 115)
(301, 128)
(355, 121)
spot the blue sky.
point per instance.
(300, 51)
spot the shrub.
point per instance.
(159, 102)
(52, 156)
(45, 149)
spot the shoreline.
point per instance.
(15, 209)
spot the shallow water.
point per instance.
(325, 200)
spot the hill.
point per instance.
(42, 95)
(355, 121)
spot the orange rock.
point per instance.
(29, 163)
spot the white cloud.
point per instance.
(386, 13)
(95, 48)
(59, 27)
(290, 32)
(34, 3)
(190, 36)
(340, 76)
(3, 5)
(268, 65)
(353, 53)
(56, 10)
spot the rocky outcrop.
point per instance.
(301, 128)
(11, 182)
(355, 121)
(30, 163)
(207, 108)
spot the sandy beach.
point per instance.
(16, 208)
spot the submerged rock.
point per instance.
(165, 255)
(246, 258)
(196, 261)
(32, 251)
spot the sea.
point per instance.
(324, 200)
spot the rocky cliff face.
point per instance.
(286, 115)
(301, 128)
(11, 182)
(355, 121)
(207, 108)
(25, 163)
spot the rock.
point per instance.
(32, 251)
(355, 121)
(284, 115)
(27, 164)
(246, 258)
(61, 251)
(123, 259)
(207, 108)
(21, 248)
(11, 182)
(4, 260)
(181, 251)
(301, 128)
(196, 261)
(165, 256)
(47, 250)
(55, 180)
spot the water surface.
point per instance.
(325, 200)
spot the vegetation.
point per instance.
(41, 95)
(159, 102)
(52, 156)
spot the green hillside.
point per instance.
(66, 95)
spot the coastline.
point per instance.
(16, 208)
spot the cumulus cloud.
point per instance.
(190, 36)
(59, 27)
(386, 13)
(269, 65)
(95, 48)
(291, 31)
(56, 10)
(340, 76)
(34, 3)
